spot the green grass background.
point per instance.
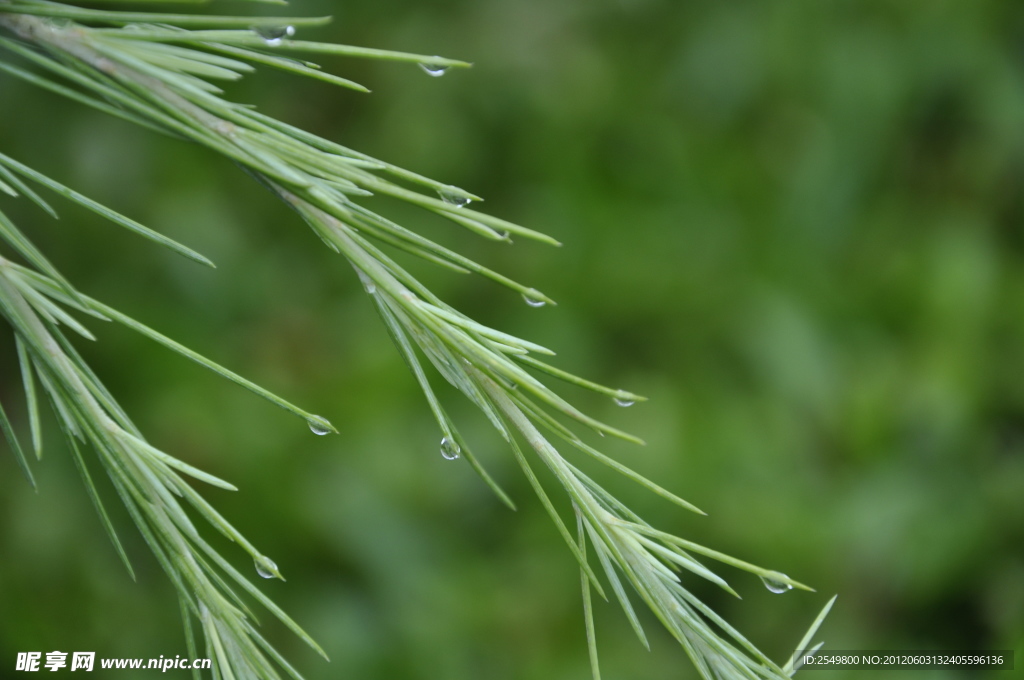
(796, 226)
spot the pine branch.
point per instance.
(155, 70)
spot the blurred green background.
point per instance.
(796, 226)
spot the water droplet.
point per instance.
(265, 567)
(776, 586)
(449, 449)
(434, 70)
(274, 35)
(367, 282)
(624, 402)
(452, 198)
(533, 302)
(317, 428)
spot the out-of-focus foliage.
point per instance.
(796, 226)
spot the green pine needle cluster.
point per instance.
(159, 71)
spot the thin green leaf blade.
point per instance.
(12, 440)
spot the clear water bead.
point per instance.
(317, 429)
(367, 282)
(776, 586)
(434, 70)
(452, 198)
(449, 449)
(533, 302)
(265, 567)
(624, 403)
(274, 35)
